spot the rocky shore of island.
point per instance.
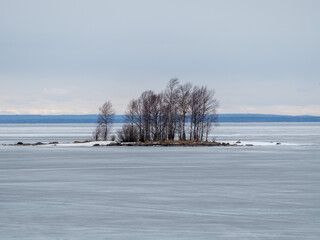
(167, 143)
(129, 144)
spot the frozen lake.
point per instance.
(260, 192)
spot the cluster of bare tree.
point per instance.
(181, 111)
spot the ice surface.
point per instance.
(223, 193)
(159, 193)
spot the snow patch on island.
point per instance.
(85, 144)
(255, 143)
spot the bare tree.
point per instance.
(96, 133)
(208, 111)
(171, 96)
(129, 131)
(209, 122)
(130, 115)
(194, 106)
(105, 119)
(156, 101)
(184, 93)
(203, 107)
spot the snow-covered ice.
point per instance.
(223, 193)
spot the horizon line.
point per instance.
(95, 114)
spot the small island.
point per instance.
(180, 114)
(91, 143)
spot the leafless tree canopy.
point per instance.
(105, 120)
(181, 111)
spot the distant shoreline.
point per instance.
(92, 118)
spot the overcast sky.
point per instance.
(68, 57)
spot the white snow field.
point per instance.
(267, 192)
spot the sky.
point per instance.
(70, 56)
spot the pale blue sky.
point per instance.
(68, 57)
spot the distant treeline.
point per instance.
(92, 118)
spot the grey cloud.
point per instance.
(98, 45)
